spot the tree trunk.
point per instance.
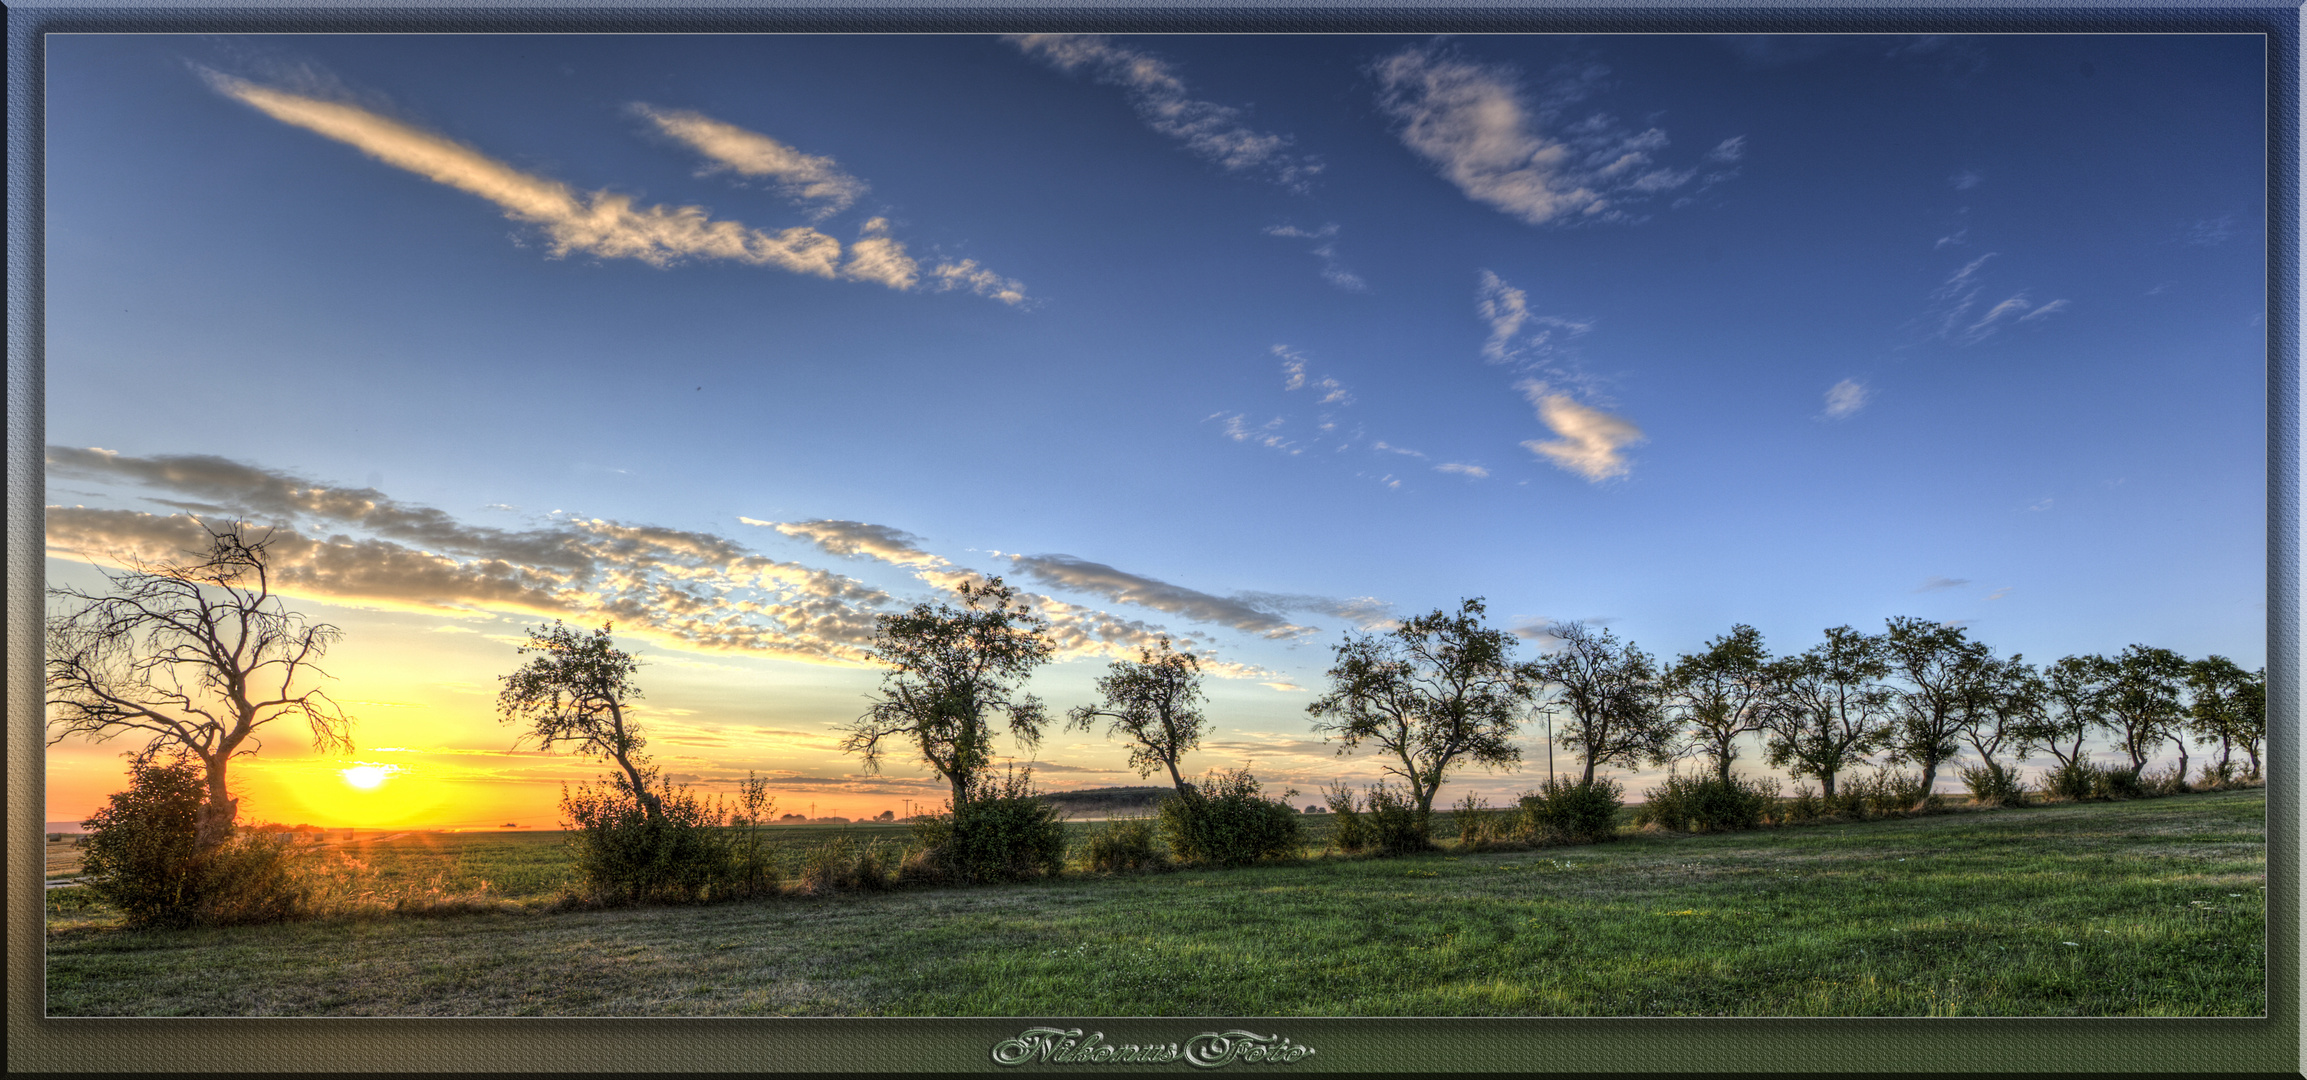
(1930, 777)
(214, 825)
(641, 792)
(1175, 779)
(1826, 780)
(1589, 781)
(1722, 767)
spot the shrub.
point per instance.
(1706, 803)
(752, 860)
(1888, 792)
(2076, 781)
(1804, 806)
(1993, 785)
(1478, 825)
(1352, 832)
(626, 856)
(143, 857)
(1221, 819)
(2216, 775)
(844, 865)
(2115, 782)
(1564, 812)
(1122, 844)
(1396, 826)
(2168, 782)
(1000, 831)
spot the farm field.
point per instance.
(2154, 907)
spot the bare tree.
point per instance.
(194, 656)
(1155, 701)
(575, 689)
(1438, 689)
(1831, 707)
(1721, 695)
(1610, 695)
(949, 668)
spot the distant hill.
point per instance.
(1108, 801)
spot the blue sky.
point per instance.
(1248, 340)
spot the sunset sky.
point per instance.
(1252, 341)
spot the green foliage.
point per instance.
(1994, 784)
(1803, 807)
(144, 857)
(1564, 811)
(1888, 792)
(2172, 781)
(2073, 781)
(1479, 826)
(2115, 782)
(625, 854)
(842, 864)
(1222, 819)
(1707, 803)
(949, 669)
(1000, 831)
(1351, 831)
(1155, 702)
(1122, 844)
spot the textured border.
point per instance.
(1998, 1047)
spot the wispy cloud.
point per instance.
(1953, 301)
(1934, 583)
(1845, 398)
(852, 539)
(1477, 125)
(1082, 575)
(1327, 390)
(1269, 434)
(1966, 179)
(1475, 472)
(1590, 443)
(1210, 130)
(1999, 593)
(1334, 270)
(606, 224)
(2210, 231)
(1544, 349)
(808, 179)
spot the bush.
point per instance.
(1993, 785)
(2215, 776)
(1563, 812)
(626, 856)
(843, 865)
(1479, 826)
(1000, 831)
(2168, 782)
(1803, 807)
(1352, 832)
(1887, 792)
(143, 857)
(1221, 819)
(2115, 782)
(2076, 781)
(1706, 803)
(1122, 844)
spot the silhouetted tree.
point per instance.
(1721, 695)
(2004, 699)
(1155, 702)
(2143, 701)
(949, 667)
(2229, 708)
(1941, 668)
(1609, 694)
(1831, 706)
(195, 657)
(1438, 690)
(575, 688)
(2074, 706)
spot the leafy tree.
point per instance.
(1831, 709)
(1610, 695)
(2229, 708)
(193, 656)
(575, 689)
(1721, 695)
(1941, 668)
(949, 668)
(2142, 701)
(1436, 690)
(2074, 705)
(1155, 701)
(2005, 698)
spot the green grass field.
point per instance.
(2149, 908)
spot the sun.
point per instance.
(367, 777)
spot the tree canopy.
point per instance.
(1609, 693)
(950, 668)
(1155, 703)
(1439, 690)
(575, 688)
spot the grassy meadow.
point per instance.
(2147, 908)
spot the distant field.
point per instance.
(2151, 908)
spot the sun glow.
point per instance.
(368, 777)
